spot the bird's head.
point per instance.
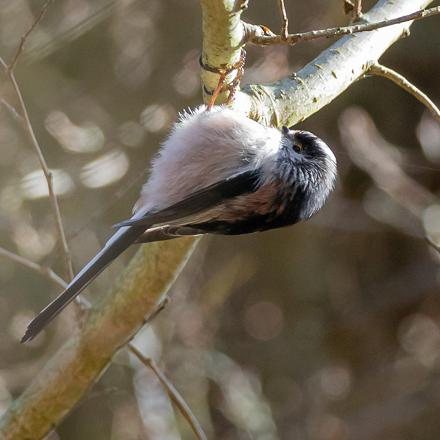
(306, 145)
(312, 167)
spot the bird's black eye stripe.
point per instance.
(297, 147)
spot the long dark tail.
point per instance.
(112, 249)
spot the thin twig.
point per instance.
(432, 243)
(357, 10)
(27, 33)
(401, 81)
(160, 307)
(46, 271)
(173, 394)
(54, 277)
(48, 175)
(9, 69)
(81, 302)
(256, 36)
(12, 111)
(285, 21)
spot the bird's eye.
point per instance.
(297, 147)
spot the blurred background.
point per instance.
(328, 330)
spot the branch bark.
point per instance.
(223, 35)
(79, 363)
(401, 81)
(293, 99)
(260, 36)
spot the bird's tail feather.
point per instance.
(112, 249)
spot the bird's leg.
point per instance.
(224, 71)
(235, 84)
(217, 90)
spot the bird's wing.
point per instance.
(136, 229)
(199, 201)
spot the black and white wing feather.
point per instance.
(179, 214)
(239, 184)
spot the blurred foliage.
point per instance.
(329, 330)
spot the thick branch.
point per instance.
(109, 326)
(174, 395)
(298, 96)
(223, 34)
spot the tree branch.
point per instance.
(173, 394)
(223, 35)
(329, 74)
(27, 33)
(109, 326)
(379, 70)
(285, 21)
(256, 36)
(46, 271)
(47, 174)
(78, 364)
(12, 110)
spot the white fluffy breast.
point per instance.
(205, 147)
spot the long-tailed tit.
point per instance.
(218, 172)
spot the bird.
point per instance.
(218, 172)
